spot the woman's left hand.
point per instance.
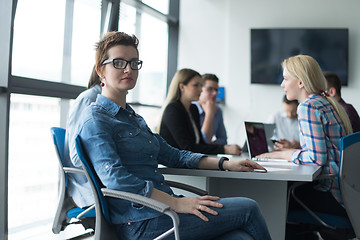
(197, 205)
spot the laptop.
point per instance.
(259, 138)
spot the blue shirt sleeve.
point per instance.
(173, 157)
(221, 136)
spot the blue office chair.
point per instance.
(350, 178)
(103, 226)
(67, 212)
(330, 226)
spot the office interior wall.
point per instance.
(215, 37)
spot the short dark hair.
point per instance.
(285, 100)
(210, 76)
(334, 81)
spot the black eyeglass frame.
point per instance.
(139, 62)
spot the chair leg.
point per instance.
(309, 210)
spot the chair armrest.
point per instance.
(73, 170)
(187, 187)
(151, 203)
(148, 202)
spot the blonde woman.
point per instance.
(180, 122)
(322, 123)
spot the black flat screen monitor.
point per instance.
(269, 47)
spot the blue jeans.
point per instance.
(239, 218)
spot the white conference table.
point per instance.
(268, 189)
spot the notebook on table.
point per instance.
(259, 140)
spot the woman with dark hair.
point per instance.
(180, 121)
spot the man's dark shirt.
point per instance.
(353, 115)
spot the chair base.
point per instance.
(300, 231)
(330, 234)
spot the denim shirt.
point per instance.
(126, 153)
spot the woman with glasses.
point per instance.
(125, 155)
(180, 121)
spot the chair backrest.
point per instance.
(58, 135)
(93, 179)
(350, 178)
(64, 202)
(103, 227)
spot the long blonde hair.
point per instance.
(183, 76)
(306, 69)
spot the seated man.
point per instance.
(78, 184)
(211, 119)
(287, 126)
(334, 90)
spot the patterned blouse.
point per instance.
(321, 130)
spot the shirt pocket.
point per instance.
(130, 139)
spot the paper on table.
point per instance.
(269, 163)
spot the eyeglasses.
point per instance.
(120, 63)
(211, 89)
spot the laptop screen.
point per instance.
(258, 137)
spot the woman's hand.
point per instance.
(243, 165)
(197, 205)
(282, 154)
(283, 143)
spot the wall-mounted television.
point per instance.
(269, 47)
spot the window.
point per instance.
(33, 170)
(52, 44)
(153, 37)
(51, 60)
(38, 39)
(160, 5)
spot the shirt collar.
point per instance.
(110, 106)
(198, 106)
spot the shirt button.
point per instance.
(161, 184)
(150, 141)
(129, 223)
(130, 134)
(155, 171)
(151, 156)
(129, 115)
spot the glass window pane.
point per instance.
(153, 48)
(86, 32)
(160, 5)
(33, 166)
(38, 39)
(150, 115)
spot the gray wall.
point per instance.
(215, 37)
